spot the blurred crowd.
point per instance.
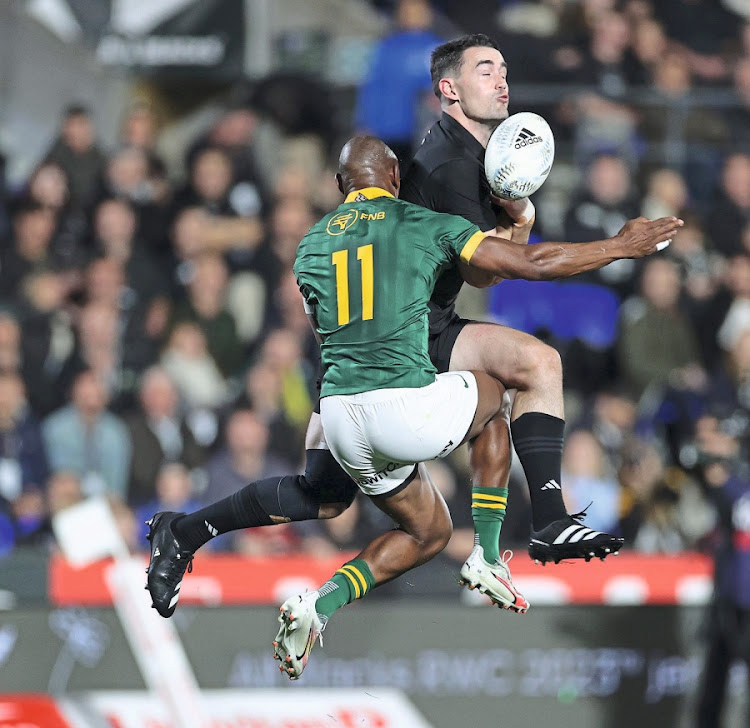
(153, 344)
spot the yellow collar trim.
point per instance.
(369, 193)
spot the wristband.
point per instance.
(528, 214)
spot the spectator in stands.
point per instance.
(589, 483)
(195, 231)
(190, 365)
(657, 341)
(205, 305)
(77, 153)
(289, 308)
(728, 395)
(23, 460)
(611, 417)
(11, 356)
(608, 64)
(4, 221)
(48, 346)
(130, 174)
(290, 221)
(666, 194)
(702, 130)
(211, 181)
(85, 438)
(127, 175)
(661, 508)
(599, 211)
(140, 130)
(724, 475)
(243, 459)
(115, 226)
(212, 187)
(687, 21)
(100, 348)
(62, 490)
(738, 117)
(731, 209)
(736, 319)
(282, 351)
(604, 122)
(706, 300)
(159, 434)
(400, 72)
(138, 342)
(172, 490)
(48, 187)
(234, 133)
(31, 249)
(262, 393)
(650, 44)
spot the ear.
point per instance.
(340, 183)
(396, 177)
(448, 89)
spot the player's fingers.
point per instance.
(671, 223)
(663, 230)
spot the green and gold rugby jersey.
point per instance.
(367, 271)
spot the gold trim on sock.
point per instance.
(355, 584)
(359, 576)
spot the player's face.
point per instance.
(482, 85)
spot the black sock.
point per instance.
(263, 503)
(538, 441)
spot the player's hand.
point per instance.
(640, 237)
(521, 212)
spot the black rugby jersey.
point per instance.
(447, 175)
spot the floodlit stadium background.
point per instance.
(219, 122)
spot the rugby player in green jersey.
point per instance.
(367, 272)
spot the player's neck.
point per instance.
(481, 131)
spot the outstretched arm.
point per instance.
(514, 223)
(548, 261)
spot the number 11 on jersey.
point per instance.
(340, 261)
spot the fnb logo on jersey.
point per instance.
(525, 138)
(341, 222)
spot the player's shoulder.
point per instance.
(440, 147)
(449, 168)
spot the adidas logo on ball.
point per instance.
(525, 138)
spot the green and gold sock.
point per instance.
(488, 512)
(352, 581)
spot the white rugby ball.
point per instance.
(519, 156)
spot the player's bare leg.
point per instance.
(534, 369)
(489, 453)
(424, 530)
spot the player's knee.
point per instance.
(440, 533)
(541, 360)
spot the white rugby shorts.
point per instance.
(378, 437)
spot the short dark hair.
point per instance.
(447, 58)
(74, 110)
(24, 206)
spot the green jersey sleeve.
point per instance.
(457, 238)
